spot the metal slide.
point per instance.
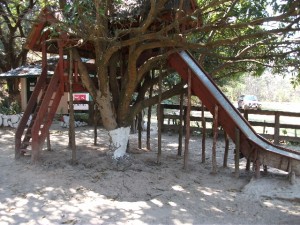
(253, 146)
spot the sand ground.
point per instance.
(137, 190)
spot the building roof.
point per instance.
(35, 69)
(31, 70)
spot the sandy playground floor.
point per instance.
(137, 191)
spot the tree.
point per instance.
(250, 36)
(14, 26)
(231, 37)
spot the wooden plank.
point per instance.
(193, 108)
(192, 118)
(173, 127)
(270, 112)
(268, 124)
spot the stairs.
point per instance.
(41, 107)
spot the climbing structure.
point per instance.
(37, 119)
(46, 96)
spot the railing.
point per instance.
(283, 126)
(276, 125)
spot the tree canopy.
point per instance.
(229, 37)
(16, 19)
(249, 36)
(232, 37)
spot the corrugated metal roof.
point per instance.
(31, 70)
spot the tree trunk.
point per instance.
(118, 136)
(119, 139)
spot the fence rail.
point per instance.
(276, 125)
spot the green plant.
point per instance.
(84, 117)
(8, 108)
(284, 132)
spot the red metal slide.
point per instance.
(253, 146)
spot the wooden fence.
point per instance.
(275, 125)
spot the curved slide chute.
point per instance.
(253, 146)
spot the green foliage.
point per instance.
(9, 108)
(267, 87)
(295, 80)
(82, 117)
(241, 42)
(16, 18)
(171, 80)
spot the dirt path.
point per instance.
(137, 191)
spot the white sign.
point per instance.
(81, 106)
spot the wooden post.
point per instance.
(48, 142)
(188, 114)
(72, 143)
(246, 114)
(159, 118)
(256, 164)
(203, 133)
(248, 164)
(149, 121)
(226, 149)
(277, 128)
(140, 118)
(95, 122)
(215, 136)
(257, 169)
(149, 115)
(180, 126)
(265, 168)
(35, 155)
(291, 173)
(237, 152)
